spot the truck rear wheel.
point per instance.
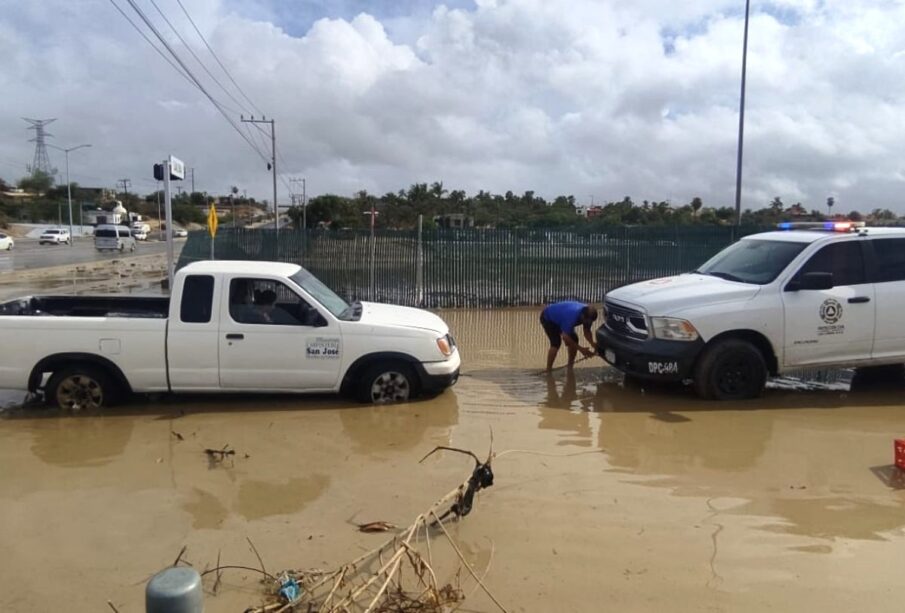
(731, 369)
(80, 388)
(386, 383)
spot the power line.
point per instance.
(197, 59)
(225, 71)
(153, 46)
(197, 83)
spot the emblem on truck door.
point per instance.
(322, 348)
(830, 311)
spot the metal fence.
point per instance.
(475, 267)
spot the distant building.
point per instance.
(16, 192)
(456, 221)
(96, 194)
(594, 211)
(797, 211)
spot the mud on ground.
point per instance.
(129, 274)
(786, 503)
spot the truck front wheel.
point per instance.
(387, 382)
(731, 369)
(80, 388)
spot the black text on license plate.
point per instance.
(663, 368)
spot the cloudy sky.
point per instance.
(595, 98)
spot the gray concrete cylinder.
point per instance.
(175, 590)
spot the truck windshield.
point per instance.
(752, 261)
(323, 294)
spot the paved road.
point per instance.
(28, 254)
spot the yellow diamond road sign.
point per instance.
(212, 221)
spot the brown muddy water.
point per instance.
(640, 499)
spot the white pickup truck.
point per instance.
(809, 295)
(227, 327)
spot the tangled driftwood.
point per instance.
(374, 582)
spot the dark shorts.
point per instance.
(554, 333)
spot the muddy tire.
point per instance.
(731, 369)
(81, 388)
(387, 383)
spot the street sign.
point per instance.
(177, 168)
(212, 221)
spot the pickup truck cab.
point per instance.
(228, 327)
(810, 295)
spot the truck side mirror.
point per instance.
(815, 281)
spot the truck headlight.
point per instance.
(672, 329)
(444, 346)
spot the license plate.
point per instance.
(610, 356)
(663, 368)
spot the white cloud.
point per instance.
(585, 97)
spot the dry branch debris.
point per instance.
(374, 582)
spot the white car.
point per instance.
(6, 242)
(228, 327)
(180, 232)
(139, 234)
(810, 295)
(54, 236)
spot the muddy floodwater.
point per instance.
(635, 498)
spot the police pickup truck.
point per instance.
(807, 295)
(228, 327)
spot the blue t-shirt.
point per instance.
(566, 315)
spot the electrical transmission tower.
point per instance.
(41, 162)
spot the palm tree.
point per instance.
(696, 204)
(829, 205)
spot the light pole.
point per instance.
(741, 123)
(69, 186)
(159, 219)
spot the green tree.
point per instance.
(37, 182)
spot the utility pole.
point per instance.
(193, 179)
(271, 166)
(303, 200)
(125, 183)
(69, 190)
(741, 123)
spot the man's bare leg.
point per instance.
(572, 352)
(551, 357)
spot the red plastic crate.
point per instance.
(899, 446)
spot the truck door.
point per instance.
(832, 325)
(272, 339)
(889, 276)
(193, 336)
